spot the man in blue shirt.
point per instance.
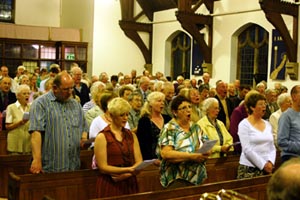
(57, 127)
(289, 128)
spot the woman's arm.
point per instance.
(137, 152)
(168, 153)
(100, 152)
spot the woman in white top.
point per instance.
(18, 138)
(258, 150)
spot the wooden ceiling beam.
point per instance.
(131, 30)
(191, 23)
(273, 10)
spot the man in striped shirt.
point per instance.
(57, 127)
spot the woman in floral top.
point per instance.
(178, 142)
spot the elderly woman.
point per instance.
(117, 153)
(193, 95)
(258, 150)
(96, 88)
(284, 101)
(178, 142)
(18, 138)
(215, 129)
(150, 124)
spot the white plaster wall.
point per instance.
(38, 13)
(113, 52)
(165, 24)
(80, 14)
(229, 16)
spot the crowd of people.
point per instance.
(130, 118)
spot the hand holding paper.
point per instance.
(26, 116)
(208, 145)
(236, 143)
(145, 164)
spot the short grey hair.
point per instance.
(207, 103)
(281, 98)
(22, 87)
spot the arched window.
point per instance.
(181, 55)
(253, 55)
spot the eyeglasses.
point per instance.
(185, 108)
(67, 89)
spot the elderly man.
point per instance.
(289, 128)
(144, 87)
(284, 101)
(285, 182)
(135, 100)
(54, 70)
(169, 91)
(224, 102)
(6, 97)
(5, 73)
(57, 127)
(80, 88)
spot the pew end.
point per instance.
(75, 185)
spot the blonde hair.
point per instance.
(151, 98)
(118, 106)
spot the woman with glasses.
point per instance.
(215, 129)
(117, 153)
(179, 140)
(258, 149)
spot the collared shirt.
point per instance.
(18, 139)
(133, 119)
(172, 134)
(61, 125)
(212, 133)
(288, 137)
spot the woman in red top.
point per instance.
(117, 153)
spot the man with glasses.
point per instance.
(57, 127)
(80, 88)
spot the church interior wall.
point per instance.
(227, 20)
(113, 52)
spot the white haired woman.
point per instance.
(117, 153)
(215, 129)
(18, 138)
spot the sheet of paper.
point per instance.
(207, 145)
(26, 116)
(236, 143)
(145, 164)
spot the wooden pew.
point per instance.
(223, 169)
(3, 142)
(20, 164)
(81, 185)
(77, 185)
(255, 188)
